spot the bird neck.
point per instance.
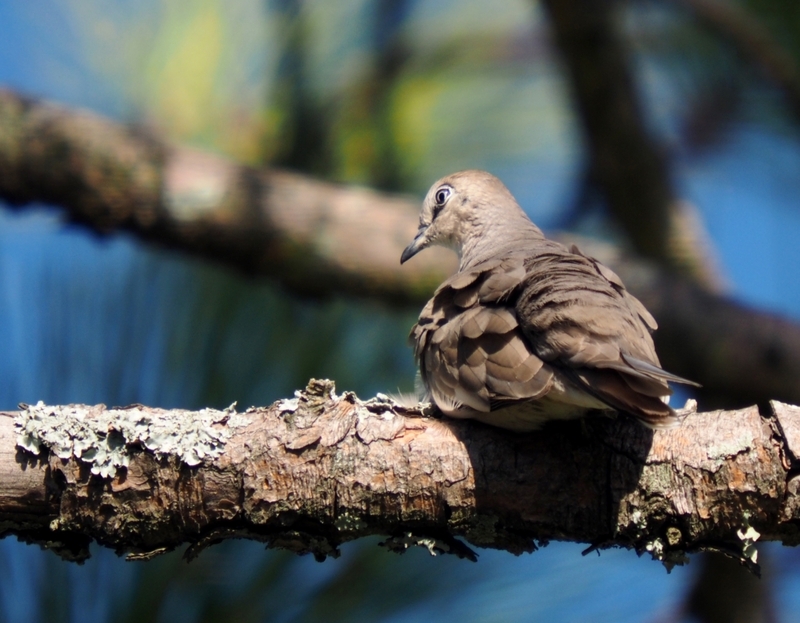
(498, 235)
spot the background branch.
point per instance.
(314, 237)
(753, 43)
(625, 161)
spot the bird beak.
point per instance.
(416, 245)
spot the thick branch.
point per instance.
(321, 238)
(310, 473)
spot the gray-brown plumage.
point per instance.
(528, 330)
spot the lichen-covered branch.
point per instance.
(315, 471)
(323, 239)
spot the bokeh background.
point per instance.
(392, 95)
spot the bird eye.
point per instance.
(442, 195)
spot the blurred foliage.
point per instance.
(382, 92)
(782, 20)
(700, 87)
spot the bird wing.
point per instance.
(469, 344)
(578, 316)
(504, 330)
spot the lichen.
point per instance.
(656, 548)
(483, 529)
(288, 405)
(400, 544)
(639, 522)
(728, 446)
(104, 437)
(347, 522)
(674, 536)
(748, 535)
(667, 556)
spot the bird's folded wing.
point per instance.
(471, 350)
(579, 317)
(501, 331)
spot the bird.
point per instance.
(528, 330)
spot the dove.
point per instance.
(528, 330)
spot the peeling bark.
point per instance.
(311, 473)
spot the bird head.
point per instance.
(461, 208)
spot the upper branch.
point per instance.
(310, 473)
(753, 42)
(626, 161)
(314, 237)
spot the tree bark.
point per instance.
(323, 239)
(310, 473)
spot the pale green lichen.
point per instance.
(349, 523)
(104, 437)
(674, 536)
(727, 446)
(668, 557)
(748, 536)
(407, 540)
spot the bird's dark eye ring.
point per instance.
(442, 195)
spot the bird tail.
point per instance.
(614, 389)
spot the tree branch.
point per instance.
(625, 161)
(753, 43)
(323, 239)
(311, 473)
(314, 237)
